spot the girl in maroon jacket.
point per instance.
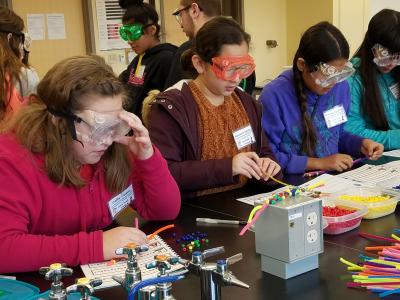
(67, 169)
(209, 130)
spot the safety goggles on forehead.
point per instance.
(232, 67)
(99, 128)
(327, 75)
(383, 57)
(132, 32)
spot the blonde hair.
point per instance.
(62, 91)
(151, 96)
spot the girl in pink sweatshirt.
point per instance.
(68, 166)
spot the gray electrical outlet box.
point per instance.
(289, 236)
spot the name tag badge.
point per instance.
(121, 201)
(141, 70)
(244, 137)
(395, 89)
(335, 116)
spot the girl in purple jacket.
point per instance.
(305, 108)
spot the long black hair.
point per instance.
(136, 11)
(322, 42)
(383, 29)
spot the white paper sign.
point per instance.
(55, 26)
(35, 24)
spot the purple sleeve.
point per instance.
(274, 128)
(350, 143)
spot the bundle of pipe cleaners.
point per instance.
(379, 273)
(291, 191)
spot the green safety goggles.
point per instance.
(132, 32)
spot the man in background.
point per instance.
(191, 16)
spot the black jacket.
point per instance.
(156, 63)
(176, 73)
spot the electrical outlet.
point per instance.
(311, 219)
(312, 236)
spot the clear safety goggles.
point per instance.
(232, 67)
(383, 57)
(99, 128)
(327, 75)
(132, 32)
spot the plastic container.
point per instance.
(379, 201)
(16, 290)
(341, 224)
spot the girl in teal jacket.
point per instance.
(375, 101)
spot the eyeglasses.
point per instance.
(383, 57)
(177, 13)
(97, 128)
(132, 32)
(231, 67)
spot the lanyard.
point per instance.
(139, 64)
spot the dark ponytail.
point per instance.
(383, 29)
(322, 42)
(136, 11)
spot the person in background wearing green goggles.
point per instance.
(149, 69)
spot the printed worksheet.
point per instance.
(370, 175)
(105, 270)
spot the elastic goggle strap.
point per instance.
(70, 118)
(231, 67)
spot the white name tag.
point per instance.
(244, 137)
(395, 89)
(121, 201)
(141, 70)
(335, 116)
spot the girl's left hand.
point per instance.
(269, 167)
(371, 149)
(139, 143)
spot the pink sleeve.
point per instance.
(157, 195)
(21, 204)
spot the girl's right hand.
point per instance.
(336, 162)
(119, 237)
(246, 163)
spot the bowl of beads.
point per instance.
(379, 202)
(342, 216)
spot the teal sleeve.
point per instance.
(360, 125)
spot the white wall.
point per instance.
(266, 20)
(377, 5)
(352, 18)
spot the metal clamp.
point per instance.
(85, 286)
(133, 273)
(55, 272)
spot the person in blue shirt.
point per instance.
(304, 109)
(375, 102)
